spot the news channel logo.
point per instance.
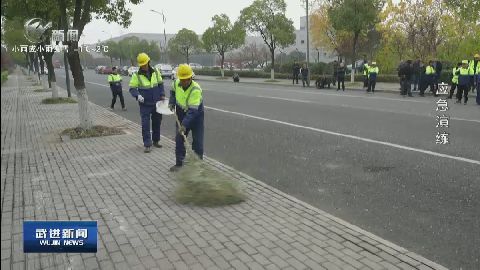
(37, 30)
(60, 236)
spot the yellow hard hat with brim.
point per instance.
(477, 55)
(184, 72)
(142, 59)
(464, 61)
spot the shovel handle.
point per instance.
(179, 125)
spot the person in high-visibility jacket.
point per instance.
(473, 64)
(429, 79)
(115, 82)
(454, 79)
(365, 71)
(463, 82)
(475, 75)
(186, 100)
(477, 72)
(146, 85)
(372, 77)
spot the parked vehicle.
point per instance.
(165, 69)
(132, 70)
(196, 66)
(174, 74)
(123, 70)
(57, 64)
(106, 70)
(98, 69)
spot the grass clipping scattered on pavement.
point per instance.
(59, 100)
(200, 185)
(95, 131)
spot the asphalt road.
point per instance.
(369, 159)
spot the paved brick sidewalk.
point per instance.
(111, 180)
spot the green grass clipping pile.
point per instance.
(201, 185)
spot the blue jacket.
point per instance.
(149, 85)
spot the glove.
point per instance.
(182, 130)
(140, 99)
(171, 107)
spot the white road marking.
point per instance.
(308, 101)
(287, 99)
(341, 105)
(370, 96)
(472, 161)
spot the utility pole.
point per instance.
(164, 34)
(308, 45)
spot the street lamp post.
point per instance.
(308, 45)
(164, 33)
(111, 37)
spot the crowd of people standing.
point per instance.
(419, 75)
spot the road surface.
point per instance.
(371, 160)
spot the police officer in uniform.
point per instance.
(115, 82)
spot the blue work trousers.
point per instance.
(197, 129)
(149, 113)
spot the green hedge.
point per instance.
(392, 78)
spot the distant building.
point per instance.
(316, 54)
(211, 59)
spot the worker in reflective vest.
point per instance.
(115, 82)
(463, 82)
(146, 86)
(187, 102)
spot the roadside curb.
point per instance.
(291, 86)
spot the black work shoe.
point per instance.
(124, 109)
(410, 95)
(175, 168)
(147, 149)
(157, 145)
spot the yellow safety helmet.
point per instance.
(184, 71)
(464, 61)
(477, 55)
(142, 59)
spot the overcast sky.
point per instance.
(195, 15)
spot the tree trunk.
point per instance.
(86, 119)
(52, 79)
(44, 81)
(222, 63)
(272, 71)
(354, 56)
(36, 70)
